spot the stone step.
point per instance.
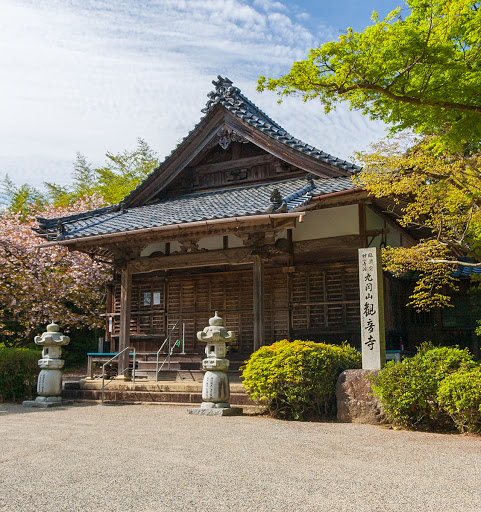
(127, 396)
(151, 386)
(180, 375)
(174, 365)
(162, 392)
(173, 375)
(164, 375)
(246, 409)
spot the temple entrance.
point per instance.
(314, 302)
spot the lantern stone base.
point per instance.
(216, 411)
(43, 402)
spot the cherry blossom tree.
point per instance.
(41, 285)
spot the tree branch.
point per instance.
(456, 262)
(416, 101)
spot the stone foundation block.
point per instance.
(216, 411)
(44, 404)
(355, 401)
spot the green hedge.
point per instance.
(460, 395)
(409, 390)
(297, 380)
(18, 373)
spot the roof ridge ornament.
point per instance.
(278, 205)
(226, 135)
(222, 85)
(224, 90)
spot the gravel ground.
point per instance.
(156, 458)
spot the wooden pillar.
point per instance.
(362, 224)
(109, 317)
(125, 306)
(258, 274)
(290, 268)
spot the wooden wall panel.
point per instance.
(276, 306)
(325, 303)
(147, 312)
(319, 302)
(194, 299)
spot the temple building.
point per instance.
(244, 219)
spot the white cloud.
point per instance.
(270, 5)
(93, 75)
(302, 16)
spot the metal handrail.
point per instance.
(161, 347)
(168, 356)
(126, 369)
(183, 338)
(169, 351)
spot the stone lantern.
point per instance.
(215, 386)
(49, 384)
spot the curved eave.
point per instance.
(173, 228)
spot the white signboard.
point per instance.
(372, 309)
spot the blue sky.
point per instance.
(93, 75)
(345, 13)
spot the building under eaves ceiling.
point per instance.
(241, 218)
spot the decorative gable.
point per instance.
(236, 164)
(233, 126)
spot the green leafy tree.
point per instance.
(439, 194)
(420, 72)
(418, 69)
(84, 183)
(124, 171)
(23, 200)
(121, 173)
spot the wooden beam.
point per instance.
(125, 306)
(250, 161)
(258, 291)
(335, 242)
(110, 309)
(235, 256)
(393, 224)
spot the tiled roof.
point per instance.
(231, 98)
(218, 204)
(463, 271)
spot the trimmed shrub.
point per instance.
(297, 380)
(460, 395)
(409, 390)
(18, 373)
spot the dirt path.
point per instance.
(153, 458)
